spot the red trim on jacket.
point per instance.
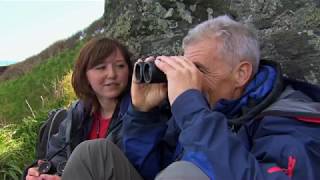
(291, 164)
(289, 171)
(309, 119)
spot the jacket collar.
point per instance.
(253, 108)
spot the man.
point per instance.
(233, 117)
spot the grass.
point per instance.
(25, 103)
(37, 88)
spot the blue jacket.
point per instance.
(271, 132)
(75, 128)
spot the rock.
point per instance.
(288, 30)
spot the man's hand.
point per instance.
(182, 75)
(147, 96)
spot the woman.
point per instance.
(101, 81)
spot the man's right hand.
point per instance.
(147, 96)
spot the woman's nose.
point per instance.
(111, 72)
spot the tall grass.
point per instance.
(25, 103)
(35, 88)
(17, 144)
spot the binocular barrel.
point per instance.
(47, 167)
(147, 72)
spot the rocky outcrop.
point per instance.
(289, 30)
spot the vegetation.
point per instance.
(25, 103)
(35, 90)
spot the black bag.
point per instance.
(47, 129)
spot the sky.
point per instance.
(27, 27)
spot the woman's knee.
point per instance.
(91, 148)
(182, 170)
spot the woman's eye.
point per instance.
(121, 65)
(99, 67)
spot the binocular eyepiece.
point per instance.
(148, 72)
(47, 167)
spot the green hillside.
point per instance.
(25, 103)
(37, 88)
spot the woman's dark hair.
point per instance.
(92, 54)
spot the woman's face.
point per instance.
(110, 78)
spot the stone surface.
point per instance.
(288, 30)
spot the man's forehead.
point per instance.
(199, 50)
(205, 44)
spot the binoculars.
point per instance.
(148, 72)
(47, 167)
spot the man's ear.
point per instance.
(243, 73)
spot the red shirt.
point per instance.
(99, 128)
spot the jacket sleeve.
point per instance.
(209, 144)
(143, 141)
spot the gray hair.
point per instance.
(239, 41)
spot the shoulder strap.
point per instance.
(69, 126)
(49, 127)
(58, 117)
